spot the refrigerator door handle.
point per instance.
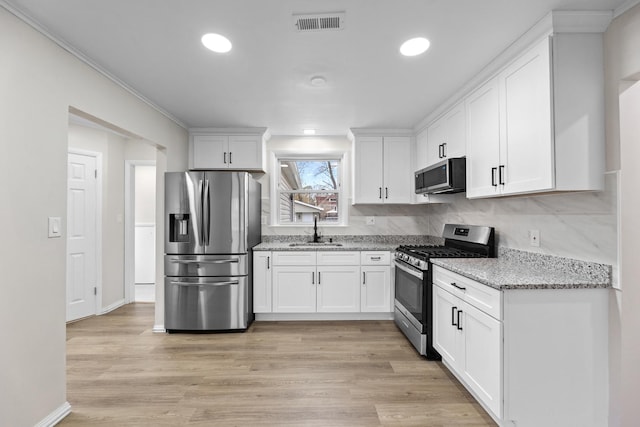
(195, 261)
(233, 282)
(206, 204)
(201, 210)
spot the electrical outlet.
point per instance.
(534, 238)
(371, 220)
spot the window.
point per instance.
(309, 188)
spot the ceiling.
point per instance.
(153, 47)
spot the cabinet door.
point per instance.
(338, 289)
(422, 150)
(368, 172)
(245, 152)
(435, 139)
(447, 339)
(455, 132)
(483, 141)
(262, 282)
(398, 175)
(527, 151)
(209, 152)
(482, 365)
(376, 289)
(294, 289)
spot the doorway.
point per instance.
(140, 211)
(140, 223)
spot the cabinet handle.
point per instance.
(268, 265)
(386, 192)
(375, 258)
(318, 277)
(364, 278)
(455, 285)
(379, 192)
(230, 153)
(313, 278)
(501, 175)
(459, 325)
(453, 316)
(225, 158)
(493, 177)
(444, 150)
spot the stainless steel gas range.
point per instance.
(414, 284)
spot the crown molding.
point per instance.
(625, 7)
(86, 60)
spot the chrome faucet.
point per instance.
(316, 236)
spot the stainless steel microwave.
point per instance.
(447, 176)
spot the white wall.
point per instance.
(39, 82)
(145, 205)
(622, 70)
(390, 219)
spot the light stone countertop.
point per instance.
(348, 242)
(346, 246)
(524, 270)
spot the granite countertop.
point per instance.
(348, 242)
(524, 270)
(346, 246)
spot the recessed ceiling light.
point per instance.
(318, 81)
(413, 47)
(216, 43)
(309, 131)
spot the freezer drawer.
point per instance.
(206, 304)
(205, 265)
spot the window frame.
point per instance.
(276, 191)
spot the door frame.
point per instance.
(98, 157)
(130, 225)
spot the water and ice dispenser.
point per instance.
(179, 227)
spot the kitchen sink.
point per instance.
(314, 244)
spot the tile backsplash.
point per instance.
(575, 225)
(581, 226)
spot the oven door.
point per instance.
(409, 290)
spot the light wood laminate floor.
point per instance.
(119, 373)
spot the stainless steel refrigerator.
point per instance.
(212, 222)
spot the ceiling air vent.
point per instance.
(318, 21)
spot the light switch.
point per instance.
(55, 226)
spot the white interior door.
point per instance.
(82, 277)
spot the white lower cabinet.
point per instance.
(294, 289)
(337, 290)
(531, 357)
(322, 282)
(262, 289)
(469, 341)
(376, 289)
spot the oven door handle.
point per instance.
(411, 271)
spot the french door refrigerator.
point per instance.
(212, 222)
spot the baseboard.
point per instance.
(112, 307)
(56, 416)
(275, 317)
(159, 329)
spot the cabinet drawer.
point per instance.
(374, 258)
(338, 258)
(294, 258)
(482, 297)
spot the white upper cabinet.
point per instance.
(446, 136)
(538, 125)
(526, 139)
(227, 149)
(483, 140)
(381, 169)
